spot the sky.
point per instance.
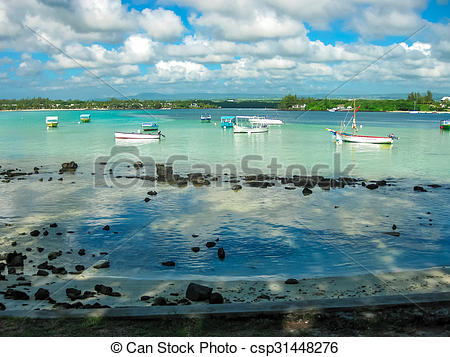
(111, 48)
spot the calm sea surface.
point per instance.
(270, 232)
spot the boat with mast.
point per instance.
(341, 136)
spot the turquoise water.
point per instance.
(265, 232)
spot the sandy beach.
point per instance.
(158, 292)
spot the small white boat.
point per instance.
(265, 120)
(136, 136)
(85, 118)
(51, 121)
(205, 118)
(243, 125)
(149, 127)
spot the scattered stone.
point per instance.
(195, 235)
(35, 233)
(169, 263)
(372, 186)
(54, 255)
(264, 297)
(59, 271)
(152, 193)
(82, 252)
(291, 281)
(145, 298)
(73, 294)
(102, 265)
(13, 244)
(138, 165)
(210, 244)
(394, 234)
(146, 199)
(289, 187)
(16, 295)
(183, 301)
(53, 225)
(394, 227)
(419, 189)
(15, 259)
(68, 167)
(2, 307)
(197, 292)
(236, 188)
(45, 266)
(306, 191)
(106, 290)
(106, 228)
(41, 272)
(2, 266)
(434, 185)
(11, 270)
(160, 301)
(221, 253)
(216, 298)
(41, 294)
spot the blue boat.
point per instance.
(227, 121)
(149, 126)
(205, 118)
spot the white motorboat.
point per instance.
(265, 120)
(243, 125)
(137, 136)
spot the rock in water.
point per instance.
(216, 298)
(16, 295)
(160, 301)
(73, 294)
(53, 225)
(306, 191)
(169, 263)
(41, 294)
(210, 244)
(419, 189)
(291, 281)
(394, 227)
(372, 186)
(197, 292)
(236, 188)
(102, 265)
(221, 253)
(106, 228)
(195, 249)
(15, 259)
(138, 165)
(35, 233)
(2, 307)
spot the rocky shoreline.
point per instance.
(53, 284)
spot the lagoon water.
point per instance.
(270, 232)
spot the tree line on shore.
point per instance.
(414, 101)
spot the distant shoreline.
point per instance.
(284, 110)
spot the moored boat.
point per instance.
(136, 136)
(149, 127)
(227, 121)
(445, 124)
(243, 125)
(341, 136)
(85, 118)
(205, 118)
(51, 121)
(265, 120)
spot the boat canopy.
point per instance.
(149, 124)
(52, 118)
(85, 116)
(227, 117)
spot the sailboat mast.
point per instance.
(355, 129)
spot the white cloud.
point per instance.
(29, 66)
(162, 25)
(174, 71)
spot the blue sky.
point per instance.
(61, 48)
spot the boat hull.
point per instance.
(245, 130)
(136, 136)
(266, 121)
(52, 125)
(361, 139)
(85, 120)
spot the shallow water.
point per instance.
(269, 232)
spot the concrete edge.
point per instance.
(234, 308)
